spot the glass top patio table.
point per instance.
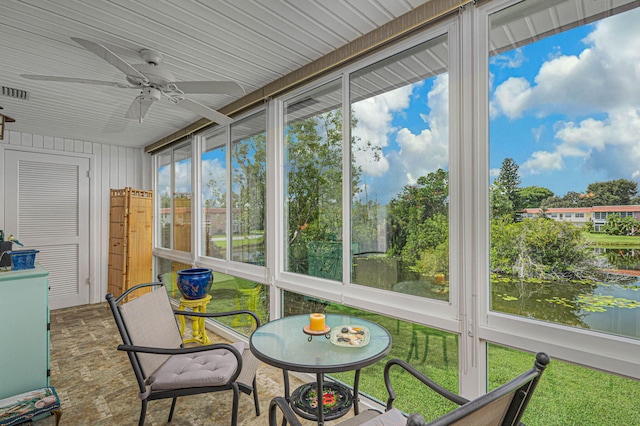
(283, 343)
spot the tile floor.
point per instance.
(96, 385)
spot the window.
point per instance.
(549, 86)
(248, 189)
(400, 179)
(213, 166)
(163, 200)
(313, 182)
(173, 183)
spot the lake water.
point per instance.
(608, 307)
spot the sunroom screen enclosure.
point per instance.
(392, 188)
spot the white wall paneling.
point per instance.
(111, 166)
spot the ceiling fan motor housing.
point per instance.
(150, 94)
(157, 75)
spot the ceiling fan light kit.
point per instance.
(154, 82)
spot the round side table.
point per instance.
(199, 332)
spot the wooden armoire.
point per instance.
(130, 239)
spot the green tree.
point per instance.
(364, 224)
(531, 197)
(249, 164)
(610, 193)
(314, 177)
(617, 225)
(419, 214)
(509, 181)
(617, 192)
(541, 248)
(571, 199)
(501, 205)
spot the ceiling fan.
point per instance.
(154, 82)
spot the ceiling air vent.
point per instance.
(14, 93)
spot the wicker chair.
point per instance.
(501, 407)
(164, 368)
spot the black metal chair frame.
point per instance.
(522, 388)
(133, 350)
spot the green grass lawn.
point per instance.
(613, 241)
(567, 394)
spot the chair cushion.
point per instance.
(150, 322)
(208, 368)
(392, 417)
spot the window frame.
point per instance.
(614, 354)
(434, 313)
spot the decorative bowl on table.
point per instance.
(194, 283)
(336, 400)
(350, 336)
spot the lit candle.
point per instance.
(316, 322)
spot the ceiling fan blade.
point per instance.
(138, 108)
(77, 80)
(204, 111)
(111, 57)
(211, 87)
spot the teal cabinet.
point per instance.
(24, 331)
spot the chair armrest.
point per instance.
(287, 412)
(219, 314)
(420, 376)
(178, 351)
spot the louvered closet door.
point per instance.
(47, 208)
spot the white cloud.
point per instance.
(542, 161)
(375, 117)
(514, 59)
(538, 132)
(612, 144)
(609, 145)
(183, 176)
(417, 154)
(214, 176)
(603, 76)
(429, 150)
(511, 98)
(601, 81)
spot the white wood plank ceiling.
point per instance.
(252, 42)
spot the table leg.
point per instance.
(285, 375)
(320, 393)
(356, 393)
(287, 396)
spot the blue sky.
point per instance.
(566, 109)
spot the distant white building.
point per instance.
(581, 215)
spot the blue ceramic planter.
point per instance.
(23, 259)
(195, 283)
